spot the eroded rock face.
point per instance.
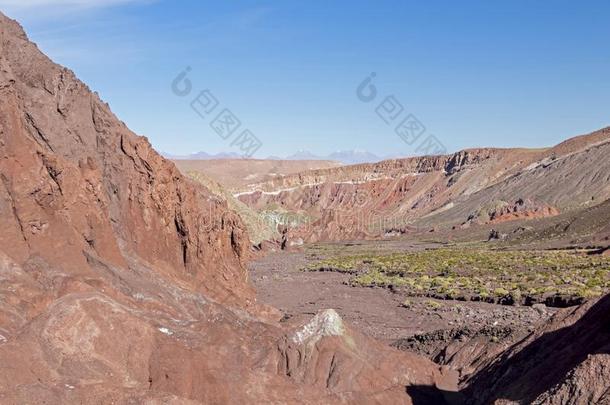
(74, 175)
(123, 282)
(470, 187)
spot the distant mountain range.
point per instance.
(343, 156)
(347, 157)
(203, 156)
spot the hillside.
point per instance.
(123, 281)
(474, 186)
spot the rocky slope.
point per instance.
(565, 362)
(440, 192)
(587, 227)
(121, 281)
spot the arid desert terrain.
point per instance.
(476, 277)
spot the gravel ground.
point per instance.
(377, 312)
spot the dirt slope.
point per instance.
(587, 227)
(568, 182)
(566, 361)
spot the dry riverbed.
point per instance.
(281, 280)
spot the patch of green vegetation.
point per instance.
(479, 274)
(433, 304)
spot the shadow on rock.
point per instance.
(571, 350)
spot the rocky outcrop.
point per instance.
(327, 354)
(587, 227)
(502, 211)
(463, 349)
(464, 159)
(522, 209)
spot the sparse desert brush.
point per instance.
(452, 293)
(516, 295)
(433, 304)
(589, 293)
(479, 273)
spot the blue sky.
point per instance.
(475, 73)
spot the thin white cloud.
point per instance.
(24, 4)
(34, 12)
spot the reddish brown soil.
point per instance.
(378, 312)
